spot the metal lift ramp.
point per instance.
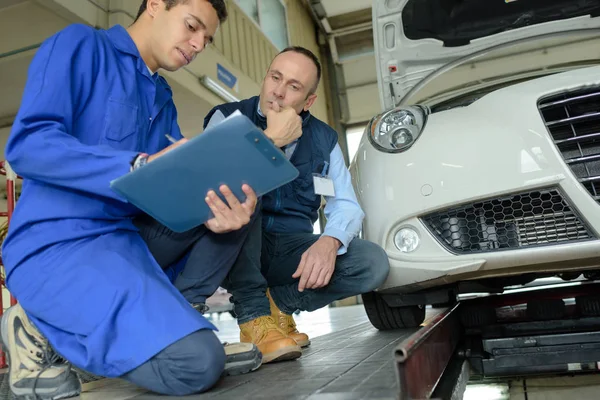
(538, 332)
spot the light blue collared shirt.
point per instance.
(343, 213)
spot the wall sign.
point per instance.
(229, 79)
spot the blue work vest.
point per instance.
(294, 207)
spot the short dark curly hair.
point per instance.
(218, 5)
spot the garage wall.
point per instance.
(303, 33)
(361, 89)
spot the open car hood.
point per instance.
(416, 40)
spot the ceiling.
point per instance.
(347, 23)
(348, 29)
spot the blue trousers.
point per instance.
(191, 365)
(198, 261)
(268, 260)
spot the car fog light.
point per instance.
(406, 240)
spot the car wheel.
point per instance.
(384, 317)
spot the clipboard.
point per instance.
(172, 189)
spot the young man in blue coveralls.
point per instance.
(91, 287)
(289, 268)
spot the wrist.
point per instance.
(269, 135)
(335, 243)
(139, 161)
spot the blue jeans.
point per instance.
(197, 261)
(268, 260)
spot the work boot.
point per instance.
(286, 323)
(36, 371)
(241, 358)
(271, 342)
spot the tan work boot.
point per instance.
(286, 323)
(35, 369)
(271, 342)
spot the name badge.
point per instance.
(323, 186)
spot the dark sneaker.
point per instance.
(36, 371)
(241, 358)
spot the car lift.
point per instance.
(534, 332)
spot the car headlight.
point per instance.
(397, 130)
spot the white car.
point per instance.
(484, 170)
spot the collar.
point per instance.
(123, 42)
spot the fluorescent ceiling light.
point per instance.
(217, 89)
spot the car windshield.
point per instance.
(457, 22)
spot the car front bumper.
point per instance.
(496, 150)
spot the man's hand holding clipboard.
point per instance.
(233, 215)
(229, 216)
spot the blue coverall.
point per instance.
(73, 258)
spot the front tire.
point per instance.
(384, 317)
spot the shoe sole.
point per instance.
(304, 344)
(43, 397)
(17, 392)
(243, 367)
(285, 354)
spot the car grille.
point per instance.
(573, 120)
(537, 218)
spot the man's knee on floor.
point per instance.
(202, 354)
(193, 364)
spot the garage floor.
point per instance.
(348, 359)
